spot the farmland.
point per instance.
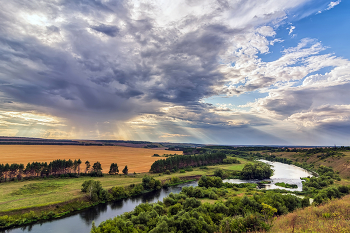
(137, 159)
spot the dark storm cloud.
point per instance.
(109, 30)
(96, 61)
(153, 64)
(294, 100)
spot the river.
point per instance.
(80, 222)
(286, 173)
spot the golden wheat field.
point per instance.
(137, 159)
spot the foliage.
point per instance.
(149, 183)
(184, 213)
(113, 169)
(256, 171)
(330, 193)
(326, 178)
(285, 185)
(182, 161)
(231, 160)
(219, 172)
(175, 180)
(10, 172)
(94, 191)
(207, 181)
(125, 170)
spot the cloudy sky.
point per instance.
(205, 71)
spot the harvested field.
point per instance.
(137, 159)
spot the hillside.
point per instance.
(331, 217)
(340, 163)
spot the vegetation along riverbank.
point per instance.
(40, 199)
(27, 201)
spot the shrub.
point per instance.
(175, 180)
(256, 171)
(231, 160)
(149, 183)
(94, 190)
(219, 172)
(207, 181)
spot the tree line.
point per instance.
(59, 167)
(182, 161)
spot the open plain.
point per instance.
(137, 159)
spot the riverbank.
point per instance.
(20, 195)
(340, 164)
(21, 217)
(21, 204)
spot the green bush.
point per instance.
(207, 181)
(149, 183)
(94, 191)
(175, 180)
(231, 160)
(256, 171)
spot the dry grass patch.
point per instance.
(331, 217)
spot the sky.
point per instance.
(239, 72)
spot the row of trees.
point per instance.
(113, 170)
(36, 169)
(182, 161)
(57, 167)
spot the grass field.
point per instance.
(17, 195)
(137, 159)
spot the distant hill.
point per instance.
(128, 143)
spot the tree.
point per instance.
(79, 162)
(113, 169)
(87, 163)
(75, 165)
(219, 172)
(97, 167)
(125, 170)
(94, 190)
(256, 171)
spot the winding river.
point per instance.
(80, 222)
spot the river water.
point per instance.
(289, 174)
(80, 222)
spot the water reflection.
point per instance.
(92, 213)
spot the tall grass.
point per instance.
(333, 216)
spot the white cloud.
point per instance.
(330, 6)
(333, 4)
(291, 29)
